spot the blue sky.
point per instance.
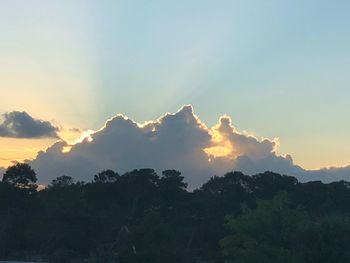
(279, 68)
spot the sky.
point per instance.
(279, 69)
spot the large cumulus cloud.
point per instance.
(175, 141)
(18, 124)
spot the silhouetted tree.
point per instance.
(107, 176)
(21, 176)
(142, 217)
(172, 179)
(62, 181)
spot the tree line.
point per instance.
(143, 217)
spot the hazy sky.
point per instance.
(279, 68)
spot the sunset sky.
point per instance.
(279, 69)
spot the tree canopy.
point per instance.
(20, 175)
(140, 216)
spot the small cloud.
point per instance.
(18, 124)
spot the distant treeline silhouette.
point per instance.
(142, 217)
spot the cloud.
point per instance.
(18, 124)
(230, 143)
(174, 141)
(327, 175)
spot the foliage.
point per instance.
(62, 181)
(107, 176)
(140, 216)
(20, 175)
(269, 233)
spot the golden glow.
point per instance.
(70, 136)
(66, 149)
(221, 146)
(85, 136)
(218, 151)
(19, 150)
